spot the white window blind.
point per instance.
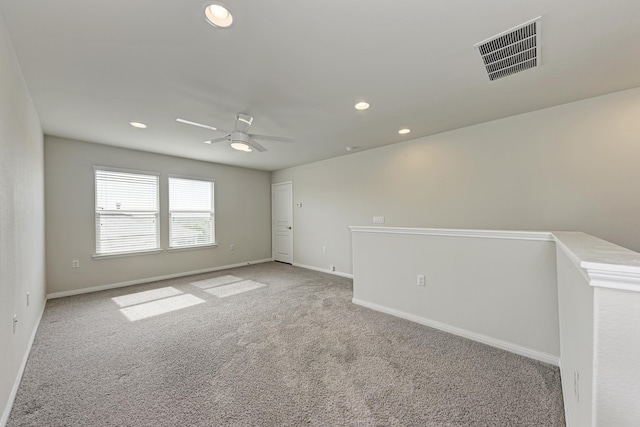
(191, 212)
(126, 212)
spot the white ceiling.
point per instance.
(299, 67)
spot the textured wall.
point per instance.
(242, 216)
(571, 167)
(21, 219)
(575, 307)
(617, 375)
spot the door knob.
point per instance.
(289, 228)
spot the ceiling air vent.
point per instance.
(512, 51)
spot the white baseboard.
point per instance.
(23, 364)
(323, 270)
(504, 345)
(150, 279)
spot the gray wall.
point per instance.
(21, 219)
(242, 206)
(571, 167)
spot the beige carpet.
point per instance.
(294, 351)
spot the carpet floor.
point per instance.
(281, 346)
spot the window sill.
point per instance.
(125, 254)
(189, 248)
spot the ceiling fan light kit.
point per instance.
(239, 137)
(241, 146)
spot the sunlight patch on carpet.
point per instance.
(235, 288)
(216, 281)
(155, 308)
(146, 296)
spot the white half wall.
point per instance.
(565, 298)
(570, 167)
(242, 217)
(496, 288)
(22, 257)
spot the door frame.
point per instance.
(273, 221)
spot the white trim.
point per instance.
(195, 178)
(150, 279)
(614, 280)
(504, 345)
(482, 234)
(23, 365)
(187, 248)
(121, 254)
(323, 270)
(125, 170)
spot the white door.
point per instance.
(282, 214)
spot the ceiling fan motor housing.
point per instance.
(239, 137)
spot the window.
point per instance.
(190, 213)
(126, 212)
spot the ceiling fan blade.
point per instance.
(252, 142)
(200, 125)
(222, 138)
(271, 138)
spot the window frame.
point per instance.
(170, 212)
(97, 213)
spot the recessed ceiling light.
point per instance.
(138, 125)
(362, 105)
(404, 131)
(241, 146)
(218, 16)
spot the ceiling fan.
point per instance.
(239, 137)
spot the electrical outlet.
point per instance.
(27, 299)
(333, 268)
(421, 280)
(232, 247)
(75, 263)
(15, 323)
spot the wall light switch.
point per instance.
(378, 220)
(421, 280)
(75, 263)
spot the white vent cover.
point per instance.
(512, 51)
